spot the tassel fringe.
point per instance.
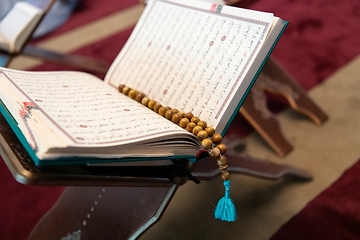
(225, 209)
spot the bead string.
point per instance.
(191, 123)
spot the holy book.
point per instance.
(194, 56)
(17, 26)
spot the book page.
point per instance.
(84, 110)
(189, 58)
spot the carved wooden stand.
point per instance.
(276, 80)
(123, 203)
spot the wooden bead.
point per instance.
(225, 175)
(206, 143)
(222, 148)
(139, 97)
(221, 160)
(190, 126)
(182, 114)
(176, 118)
(202, 124)
(223, 167)
(151, 104)
(184, 122)
(196, 130)
(162, 111)
(202, 135)
(133, 93)
(145, 101)
(189, 115)
(216, 138)
(169, 114)
(214, 153)
(210, 131)
(126, 90)
(195, 120)
(120, 87)
(157, 107)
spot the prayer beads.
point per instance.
(191, 123)
(184, 122)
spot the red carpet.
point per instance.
(334, 214)
(322, 37)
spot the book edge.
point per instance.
(254, 79)
(14, 126)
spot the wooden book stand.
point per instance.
(123, 202)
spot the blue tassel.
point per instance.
(225, 209)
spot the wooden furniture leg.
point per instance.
(278, 81)
(275, 80)
(94, 213)
(255, 110)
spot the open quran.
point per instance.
(194, 56)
